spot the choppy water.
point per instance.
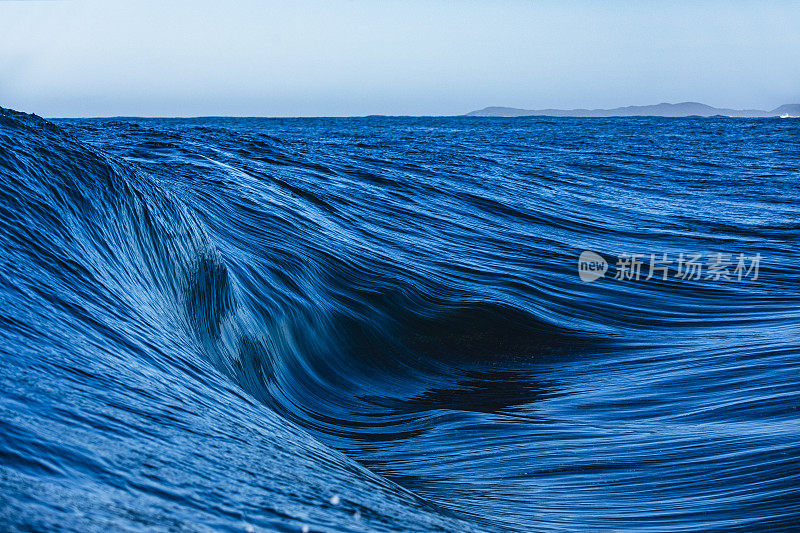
(377, 325)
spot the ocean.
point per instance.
(399, 324)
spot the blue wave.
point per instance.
(377, 325)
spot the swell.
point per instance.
(310, 342)
(111, 234)
(427, 327)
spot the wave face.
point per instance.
(377, 325)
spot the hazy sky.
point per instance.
(307, 57)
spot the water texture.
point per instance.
(377, 324)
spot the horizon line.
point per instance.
(465, 114)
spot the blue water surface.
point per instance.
(377, 324)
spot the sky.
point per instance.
(351, 57)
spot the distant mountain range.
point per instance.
(685, 109)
